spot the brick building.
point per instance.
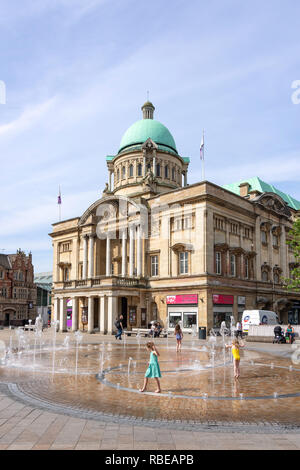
(17, 289)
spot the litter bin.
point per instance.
(202, 332)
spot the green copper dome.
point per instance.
(141, 130)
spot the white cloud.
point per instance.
(28, 118)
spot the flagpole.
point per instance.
(202, 156)
(59, 204)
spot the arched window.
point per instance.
(265, 276)
(276, 278)
(166, 171)
(118, 175)
(173, 174)
(123, 172)
(130, 170)
(158, 169)
(139, 169)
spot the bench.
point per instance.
(144, 332)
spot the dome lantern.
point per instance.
(148, 110)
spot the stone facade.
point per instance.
(153, 248)
(17, 289)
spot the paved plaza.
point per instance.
(200, 407)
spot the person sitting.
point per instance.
(152, 329)
(157, 330)
(289, 333)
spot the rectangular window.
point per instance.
(263, 236)
(66, 274)
(246, 268)
(1, 274)
(154, 265)
(183, 262)
(66, 247)
(232, 265)
(218, 263)
(187, 222)
(275, 240)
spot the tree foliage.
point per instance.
(293, 282)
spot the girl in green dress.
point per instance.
(153, 370)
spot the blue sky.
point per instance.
(78, 71)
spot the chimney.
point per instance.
(244, 189)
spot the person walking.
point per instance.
(179, 336)
(153, 371)
(119, 326)
(235, 349)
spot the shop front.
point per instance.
(183, 309)
(222, 309)
(294, 313)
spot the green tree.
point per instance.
(293, 282)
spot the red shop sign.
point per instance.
(182, 299)
(223, 299)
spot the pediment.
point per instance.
(149, 144)
(273, 202)
(113, 208)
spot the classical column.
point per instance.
(185, 177)
(283, 252)
(144, 165)
(131, 248)
(75, 301)
(56, 309)
(124, 253)
(102, 322)
(108, 256)
(85, 250)
(109, 184)
(90, 314)
(112, 312)
(270, 252)
(63, 315)
(91, 255)
(258, 248)
(139, 251)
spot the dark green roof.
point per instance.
(256, 184)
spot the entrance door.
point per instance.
(6, 319)
(124, 311)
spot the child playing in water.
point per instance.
(235, 349)
(153, 370)
(179, 336)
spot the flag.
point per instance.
(59, 197)
(202, 148)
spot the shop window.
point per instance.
(183, 262)
(154, 265)
(218, 263)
